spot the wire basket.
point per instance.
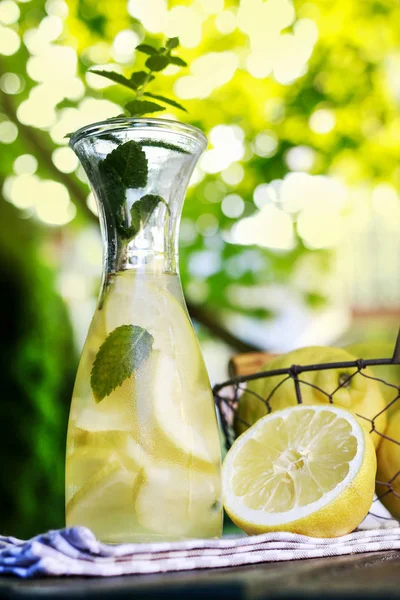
(227, 397)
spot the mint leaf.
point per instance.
(157, 62)
(138, 78)
(137, 108)
(122, 353)
(146, 49)
(115, 77)
(172, 43)
(126, 165)
(175, 60)
(142, 210)
(114, 188)
(164, 99)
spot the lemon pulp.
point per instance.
(297, 469)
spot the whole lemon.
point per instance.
(389, 373)
(360, 395)
(388, 455)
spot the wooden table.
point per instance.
(362, 576)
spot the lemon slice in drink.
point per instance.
(94, 451)
(106, 503)
(175, 502)
(170, 394)
(306, 469)
(184, 415)
(137, 299)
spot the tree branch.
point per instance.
(36, 140)
(204, 317)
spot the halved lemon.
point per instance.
(306, 469)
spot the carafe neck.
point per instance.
(139, 170)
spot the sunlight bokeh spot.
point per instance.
(212, 7)
(65, 159)
(53, 205)
(268, 228)
(233, 206)
(226, 21)
(385, 200)
(204, 263)
(322, 121)
(9, 12)
(8, 132)
(214, 191)
(198, 290)
(300, 158)
(265, 193)
(320, 226)
(272, 50)
(9, 41)
(98, 53)
(233, 174)
(90, 110)
(25, 164)
(292, 55)
(152, 13)
(228, 148)
(260, 19)
(299, 191)
(259, 65)
(265, 143)
(209, 72)
(124, 44)
(50, 28)
(22, 190)
(306, 29)
(56, 64)
(186, 23)
(10, 83)
(39, 109)
(207, 224)
(56, 8)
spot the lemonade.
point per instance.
(143, 463)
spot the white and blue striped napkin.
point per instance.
(76, 551)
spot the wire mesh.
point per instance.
(227, 397)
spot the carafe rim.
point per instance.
(146, 124)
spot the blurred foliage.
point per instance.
(37, 366)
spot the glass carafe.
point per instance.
(143, 451)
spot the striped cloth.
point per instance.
(76, 551)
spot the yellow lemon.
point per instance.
(388, 455)
(360, 395)
(306, 469)
(388, 373)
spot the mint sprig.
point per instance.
(120, 355)
(126, 167)
(158, 60)
(142, 210)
